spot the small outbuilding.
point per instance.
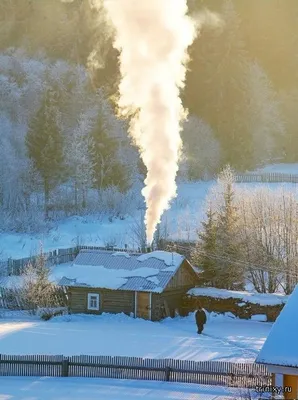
(149, 286)
(280, 350)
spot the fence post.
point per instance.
(9, 266)
(232, 379)
(167, 373)
(65, 367)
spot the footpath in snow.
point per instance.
(225, 338)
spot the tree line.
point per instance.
(61, 146)
(241, 82)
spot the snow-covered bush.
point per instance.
(37, 291)
(116, 203)
(47, 313)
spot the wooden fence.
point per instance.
(274, 177)
(59, 256)
(204, 372)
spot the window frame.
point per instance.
(89, 307)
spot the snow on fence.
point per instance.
(272, 177)
(59, 256)
(242, 375)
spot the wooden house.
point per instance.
(280, 350)
(149, 286)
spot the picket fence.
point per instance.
(203, 372)
(274, 177)
(59, 256)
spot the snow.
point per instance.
(93, 230)
(153, 279)
(224, 339)
(173, 260)
(259, 317)
(99, 276)
(281, 347)
(121, 253)
(264, 299)
(182, 221)
(45, 388)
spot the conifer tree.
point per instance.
(107, 171)
(203, 254)
(228, 245)
(45, 145)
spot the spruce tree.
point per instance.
(230, 275)
(45, 145)
(204, 252)
(107, 171)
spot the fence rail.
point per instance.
(203, 372)
(272, 177)
(59, 256)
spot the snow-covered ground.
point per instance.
(181, 220)
(12, 388)
(224, 339)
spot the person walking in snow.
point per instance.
(201, 319)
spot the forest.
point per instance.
(64, 151)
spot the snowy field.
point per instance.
(12, 388)
(224, 339)
(181, 220)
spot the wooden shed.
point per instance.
(149, 286)
(280, 350)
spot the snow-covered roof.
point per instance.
(11, 282)
(281, 348)
(264, 299)
(150, 272)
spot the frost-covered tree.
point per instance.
(78, 160)
(227, 239)
(267, 123)
(289, 105)
(107, 170)
(218, 93)
(204, 253)
(138, 232)
(269, 234)
(38, 290)
(45, 145)
(220, 234)
(201, 150)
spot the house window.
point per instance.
(93, 301)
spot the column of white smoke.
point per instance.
(153, 37)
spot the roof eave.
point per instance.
(102, 288)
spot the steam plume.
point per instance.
(153, 37)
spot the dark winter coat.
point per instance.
(201, 318)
